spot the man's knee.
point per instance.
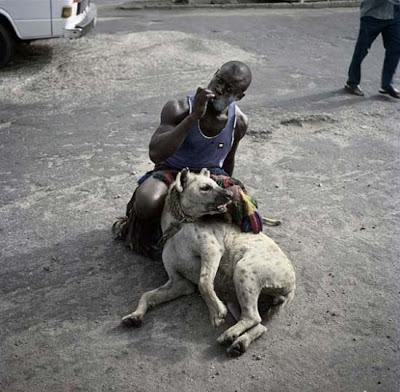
(150, 197)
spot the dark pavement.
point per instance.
(75, 122)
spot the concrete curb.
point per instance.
(135, 5)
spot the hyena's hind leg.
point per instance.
(247, 292)
(241, 344)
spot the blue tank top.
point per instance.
(198, 151)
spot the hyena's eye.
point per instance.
(206, 188)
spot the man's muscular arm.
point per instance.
(242, 124)
(175, 125)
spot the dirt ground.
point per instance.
(75, 121)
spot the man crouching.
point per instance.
(201, 131)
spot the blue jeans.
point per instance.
(370, 28)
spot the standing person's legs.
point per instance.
(391, 41)
(369, 30)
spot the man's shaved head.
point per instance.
(239, 71)
(229, 84)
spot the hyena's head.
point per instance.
(201, 195)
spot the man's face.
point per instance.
(227, 89)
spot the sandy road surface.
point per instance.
(75, 121)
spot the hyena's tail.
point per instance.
(280, 302)
(271, 222)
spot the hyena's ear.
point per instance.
(205, 172)
(181, 179)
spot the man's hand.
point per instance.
(201, 99)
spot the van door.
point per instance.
(58, 22)
(32, 18)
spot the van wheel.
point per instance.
(7, 45)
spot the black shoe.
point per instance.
(390, 91)
(354, 89)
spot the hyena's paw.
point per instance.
(216, 321)
(226, 339)
(242, 343)
(237, 348)
(218, 316)
(132, 320)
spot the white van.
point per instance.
(27, 20)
